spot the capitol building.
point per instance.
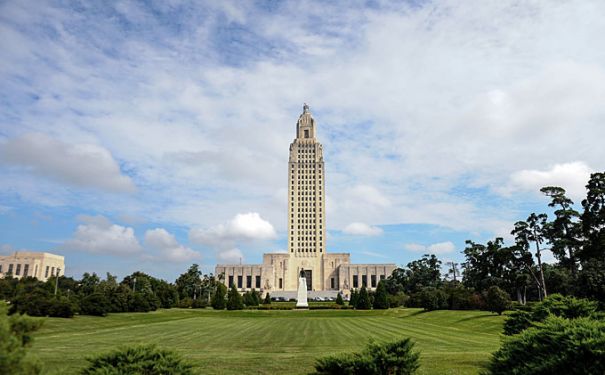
(326, 273)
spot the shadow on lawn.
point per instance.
(486, 315)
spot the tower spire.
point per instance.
(305, 108)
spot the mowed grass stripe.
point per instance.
(273, 342)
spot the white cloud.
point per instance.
(436, 248)
(570, 176)
(159, 239)
(362, 229)
(229, 256)
(98, 235)
(243, 227)
(85, 165)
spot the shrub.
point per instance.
(61, 308)
(381, 300)
(555, 304)
(251, 298)
(396, 358)
(185, 303)
(218, 298)
(94, 304)
(138, 360)
(397, 300)
(267, 300)
(339, 300)
(234, 299)
(14, 339)
(497, 300)
(430, 298)
(199, 303)
(556, 346)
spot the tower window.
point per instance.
(306, 133)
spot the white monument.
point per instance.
(301, 300)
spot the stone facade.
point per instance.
(306, 233)
(34, 264)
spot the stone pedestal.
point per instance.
(301, 300)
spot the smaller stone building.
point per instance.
(34, 264)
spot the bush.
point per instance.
(14, 339)
(94, 304)
(139, 360)
(555, 304)
(61, 308)
(339, 300)
(396, 358)
(556, 346)
(251, 298)
(267, 300)
(185, 303)
(199, 303)
(397, 300)
(497, 300)
(234, 299)
(430, 298)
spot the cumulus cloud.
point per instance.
(85, 165)
(438, 248)
(362, 229)
(570, 176)
(160, 240)
(243, 227)
(98, 235)
(229, 256)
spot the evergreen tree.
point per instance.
(267, 300)
(354, 298)
(497, 300)
(363, 300)
(381, 300)
(218, 298)
(234, 299)
(339, 300)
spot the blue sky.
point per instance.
(152, 135)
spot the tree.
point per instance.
(533, 230)
(142, 359)
(15, 338)
(251, 298)
(188, 284)
(234, 299)
(593, 219)
(422, 273)
(431, 298)
(381, 300)
(218, 298)
(363, 300)
(95, 304)
(497, 300)
(564, 233)
(267, 300)
(339, 300)
(353, 299)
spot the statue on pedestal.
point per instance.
(301, 300)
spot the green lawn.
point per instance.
(273, 342)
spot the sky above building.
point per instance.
(153, 135)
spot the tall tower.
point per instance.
(306, 193)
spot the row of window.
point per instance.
(307, 227)
(364, 280)
(15, 269)
(240, 281)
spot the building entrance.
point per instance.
(309, 277)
